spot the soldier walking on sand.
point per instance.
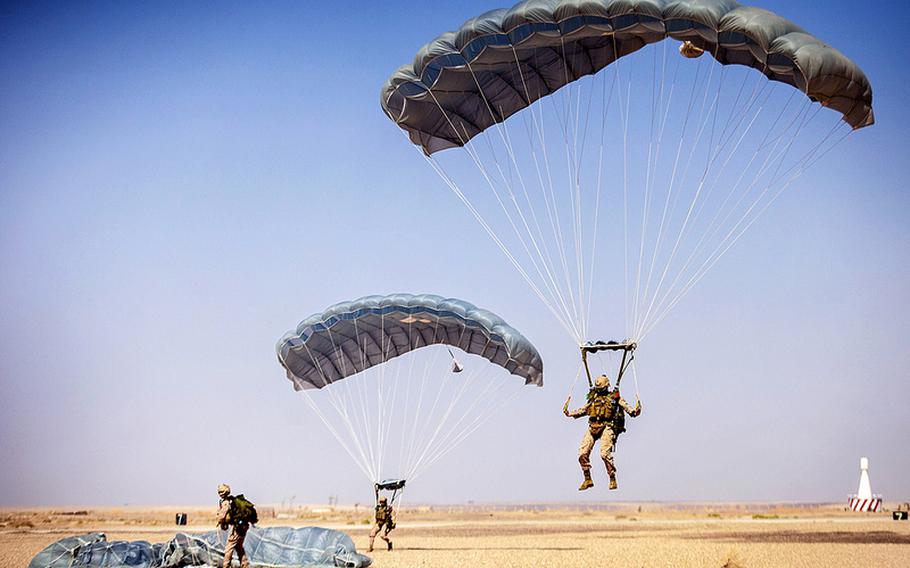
(604, 408)
(237, 527)
(383, 524)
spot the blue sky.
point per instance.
(181, 184)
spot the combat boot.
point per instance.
(613, 484)
(390, 546)
(587, 483)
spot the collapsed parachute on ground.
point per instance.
(273, 546)
(350, 337)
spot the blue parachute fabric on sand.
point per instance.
(273, 547)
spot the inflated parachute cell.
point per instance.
(350, 337)
(498, 63)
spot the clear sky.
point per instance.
(182, 183)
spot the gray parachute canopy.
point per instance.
(350, 337)
(502, 61)
(275, 547)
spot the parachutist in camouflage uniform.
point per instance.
(604, 408)
(238, 529)
(383, 524)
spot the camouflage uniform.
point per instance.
(601, 411)
(237, 533)
(383, 524)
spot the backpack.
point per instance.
(243, 511)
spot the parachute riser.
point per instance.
(628, 355)
(396, 486)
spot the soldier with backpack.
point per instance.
(236, 513)
(606, 411)
(384, 522)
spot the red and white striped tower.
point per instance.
(864, 501)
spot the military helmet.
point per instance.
(382, 499)
(602, 382)
(224, 490)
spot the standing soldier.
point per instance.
(228, 517)
(605, 407)
(383, 524)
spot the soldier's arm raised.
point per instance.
(578, 412)
(633, 412)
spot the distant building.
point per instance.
(864, 500)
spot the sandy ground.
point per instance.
(632, 535)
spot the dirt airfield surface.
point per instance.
(630, 535)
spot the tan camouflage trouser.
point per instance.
(235, 544)
(607, 441)
(378, 530)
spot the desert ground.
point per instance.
(621, 535)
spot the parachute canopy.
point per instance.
(349, 337)
(273, 546)
(500, 62)
(400, 415)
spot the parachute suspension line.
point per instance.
(363, 462)
(349, 386)
(742, 225)
(551, 197)
(716, 152)
(377, 466)
(635, 326)
(483, 171)
(646, 207)
(652, 165)
(564, 119)
(413, 429)
(586, 291)
(548, 197)
(490, 231)
(420, 398)
(624, 117)
(575, 380)
(453, 440)
(424, 445)
(431, 447)
(377, 426)
(338, 437)
(417, 443)
(695, 200)
(502, 246)
(479, 421)
(675, 170)
(694, 145)
(572, 164)
(386, 414)
(603, 128)
(635, 379)
(502, 131)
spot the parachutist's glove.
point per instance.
(638, 405)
